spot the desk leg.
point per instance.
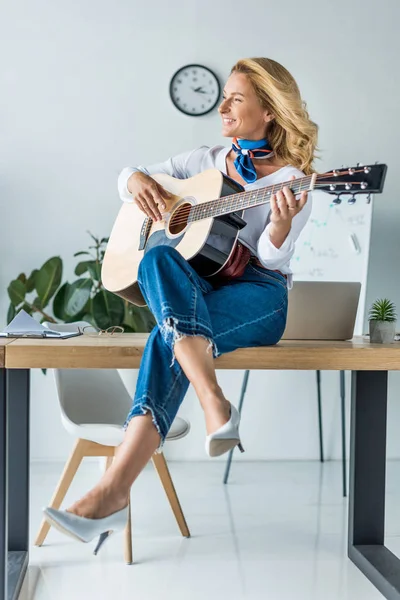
(14, 480)
(366, 546)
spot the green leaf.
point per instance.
(108, 309)
(81, 268)
(11, 313)
(82, 316)
(77, 296)
(22, 277)
(30, 284)
(37, 303)
(104, 240)
(382, 310)
(148, 319)
(132, 318)
(16, 291)
(81, 252)
(48, 279)
(59, 302)
(128, 329)
(94, 268)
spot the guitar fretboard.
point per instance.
(242, 200)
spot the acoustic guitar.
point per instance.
(203, 218)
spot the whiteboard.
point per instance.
(334, 245)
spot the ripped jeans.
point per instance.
(250, 310)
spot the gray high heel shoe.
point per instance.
(226, 437)
(85, 530)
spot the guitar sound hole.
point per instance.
(179, 220)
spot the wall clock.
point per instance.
(195, 90)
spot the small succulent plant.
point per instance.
(382, 310)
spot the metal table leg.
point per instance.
(321, 441)
(343, 423)
(366, 534)
(343, 413)
(242, 394)
(14, 480)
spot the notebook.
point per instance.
(322, 310)
(23, 325)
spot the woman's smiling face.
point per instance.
(241, 111)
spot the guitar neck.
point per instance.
(242, 200)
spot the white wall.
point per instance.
(84, 92)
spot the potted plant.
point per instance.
(85, 299)
(382, 321)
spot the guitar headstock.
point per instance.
(368, 179)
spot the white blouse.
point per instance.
(255, 235)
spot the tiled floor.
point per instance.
(276, 532)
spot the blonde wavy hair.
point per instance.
(292, 134)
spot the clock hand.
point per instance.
(198, 89)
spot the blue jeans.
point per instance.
(250, 310)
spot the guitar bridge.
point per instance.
(144, 232)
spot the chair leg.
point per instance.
(63, 485)
(128, 554)
(161, 467)
(343, 410)
(242, 394)
(321, 439)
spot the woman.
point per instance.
(262, 112)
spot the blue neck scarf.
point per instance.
(246, 150)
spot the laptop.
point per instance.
(322, 310)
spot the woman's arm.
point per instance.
(175, 166)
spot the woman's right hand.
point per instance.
(148, 195)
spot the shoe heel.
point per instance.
(102, 538)
(240, 447)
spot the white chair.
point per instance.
(94, 404)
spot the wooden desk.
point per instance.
(369, 364)
(125, 352)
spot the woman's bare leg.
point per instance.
(112, 492)
(197, 362)
(142, 439)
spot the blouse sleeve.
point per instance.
(176, 166)
(273, 257)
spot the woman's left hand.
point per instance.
(284, 206)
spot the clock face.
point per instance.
(195, 90)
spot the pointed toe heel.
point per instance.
(85, 530)
(226, 437)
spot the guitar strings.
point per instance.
(227, 202)
(183, 216)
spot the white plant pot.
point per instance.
(382, 332)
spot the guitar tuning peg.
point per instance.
(360, 164)
(352, 200)
(369, 199)
(337, 200)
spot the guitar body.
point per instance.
(206, 244)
